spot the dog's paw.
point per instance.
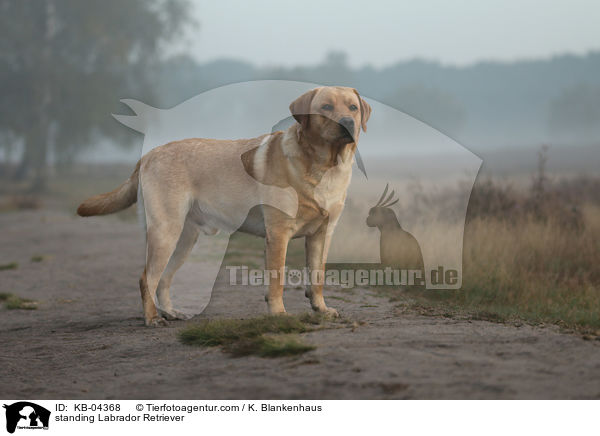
(157, 321)
(332, 313)
(173, 315)
(276, 308)
(277, 311)
(329, 312)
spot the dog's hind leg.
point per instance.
(186, 242)
(165, 221)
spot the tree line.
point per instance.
(64, 65)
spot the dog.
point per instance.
(192, 186)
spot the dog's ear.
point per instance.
(300, 108)
(365, 111)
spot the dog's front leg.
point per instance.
(275, 251)
(317, 247)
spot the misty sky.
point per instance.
(378, 32)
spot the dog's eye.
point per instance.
(353, 107)
(327, 107)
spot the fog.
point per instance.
(499, 78)
(380, 33)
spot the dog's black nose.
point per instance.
(348, 124)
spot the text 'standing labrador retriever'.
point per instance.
(190, 186)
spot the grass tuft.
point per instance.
(12, 302)
(269, 346)
(265, 336)
(7, 266)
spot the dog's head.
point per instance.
(333, 114)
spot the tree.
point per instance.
(575, 114)
(64, 64)
(432, 106)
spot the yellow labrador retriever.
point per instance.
(188, 186)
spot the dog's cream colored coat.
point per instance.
(281, 186)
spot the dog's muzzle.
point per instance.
(347, 127)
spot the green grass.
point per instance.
(37, 258)
(8, 266)
(272, 345)
(520, 303)
(12, 302)
(225, 331)
(522, 297)
(265, 336)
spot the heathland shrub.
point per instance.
(532, 253)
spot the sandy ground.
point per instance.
(87, 339)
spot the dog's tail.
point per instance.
(113, 201)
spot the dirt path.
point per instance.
(86, 340)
